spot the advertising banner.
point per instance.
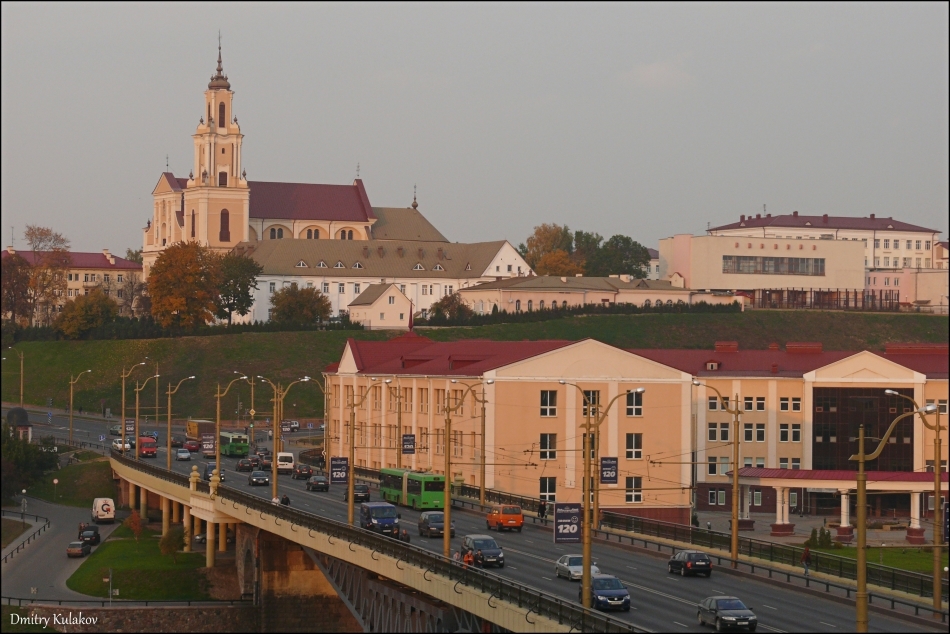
(408, 444)
(567, 522)
(207, 444)
(339, 470)
(129, 426)
(608, 470)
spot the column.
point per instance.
(845, 530)
(166, 515)
(176, 512)
(186, 523)
(223, 538)
(915, 533)
(779, 494)
(781, 527)
(209, 545)
(143, 505)
(197, 526)
(132, 495)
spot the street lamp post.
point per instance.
(168, 439)
(72, 382)
(250, 380)
(19, 353)
(938, 469)
(599, 417)
(354, 404)
(734, 532)
(125, 375)
(217, 423)
(279, 393)
(398, 390)
(138, 388)
(861, 595)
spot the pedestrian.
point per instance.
(82, 527)
(468, 559)
(285, 500)
(456, 556)
(405, 536)
(542, 509)
(80, 410)
(480, 559)
(806, 559)
(276, 500)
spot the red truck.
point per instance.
(147, 447)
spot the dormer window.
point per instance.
(357, 266)
(418, 267)
(712, 365)
(301, 264)
(437, 267)
(339, 265)
(322, 265)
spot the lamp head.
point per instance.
(88, 370)
(891, 393)
(191, 377)
(562, 382)
(306, 378)
(640, 390)
(489, 381)
(387, 381)
(455, 380)
(696, 382)
(930, 408)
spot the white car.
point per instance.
(572, 567)
(117, 445)
(182, 454)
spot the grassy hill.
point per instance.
(284, 356)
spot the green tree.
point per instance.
(172, 542)
(183, 285)
(813, 540)
(84, 314)
(15, 287)
(586, 246)
(133, 255)
(238, 277)
(619, 254)
(299, 305)
(21, 462)
(451, 307)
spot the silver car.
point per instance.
(572, 567)
(182, 454)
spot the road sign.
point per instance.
(567, 522)
(49, 418)
(252, 412)
(608, 470)
(339, 470)
(408, 444)
(101, 438)
(309, 425)
(129, 426)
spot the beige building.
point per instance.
(381, 307)
(916, 289)
(546, 292)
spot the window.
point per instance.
(382, 316)
(783, 463)
(793, 499)
(711, 465)
(193, 223)
(721, 495)
(747, 432)
(760, 403)
(747, 462)
(402, 289)
(418, 267)
(724, 432)
(548, 489)
(222, 179)
(357, 266)
(530, 305)
(887, 262)
(796, 433)
(897, 245)
(917, 261)
(760, 462)
(877, 243)
(301, 265)
(756, 498)
(796, 404)
(517, 305)
(326, 288)
(783, 404)
(392, 299)
(713, 403)
(887, 244)
(796, 463)
(548, 446)
(591, 442)
(634, 403)
(917, 245)
(634, 446)
(712, 497)
(548, 403)
(927, 245)
(356, 289)
(423, 400)
(723, 465)
(439, 401)
(783, 433)
(85, 277)
(760, 432)
(339, 265)
(712, 432)
(747, 404)
(745, 264)
(634, 490)
(877, 262)
(437, 267)
(273, 286)
(591, 397)
(509, 268)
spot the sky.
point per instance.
(641, 119)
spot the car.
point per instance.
(258, 478)
(380, 517)
(115, 430)
(117, 445)
(572, 567)
(183, 454)
(318, 483)
(202, 538)
(492, 553)
(266, 462)
(360, 493)
(607, 593)
(690, 562)
(91, 535)
(263, 452)
(294, 425)
(209, 468)
(78, 549)
(153, 434)
(255, 462)
(192, 445)
(432, 523)
(302, 472)
(726, 613)
(244, 465)
(505, 516)
(178, 441)
(131, 441)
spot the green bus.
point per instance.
(420, 490)
(233, 444)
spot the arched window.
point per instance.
(163, 234)
(349, 235)
(225, 234)
(541, 305)
(222, 179)
(222, 121)
(192, 223)
(659, 302)
(273, 233)
(280, 233)
(564, 304)
(530, 304)
(646, 304)
(669, 302)
(316, 234)
(309, 234)
(342, 235)
(517, 305)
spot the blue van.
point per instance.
(380, 517)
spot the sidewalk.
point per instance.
(32, 526)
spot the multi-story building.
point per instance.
(800, 408)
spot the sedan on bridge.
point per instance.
(182, 454)
(244, 464)
(192, 445)
(318, 483)
(258, 478)
(572, 567)
(726, 613)
(690, 562)
(432, 523)
(607, 593)
(78, 549)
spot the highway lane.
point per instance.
(660, 601)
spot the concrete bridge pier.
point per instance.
(186, 522)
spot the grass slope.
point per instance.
(910, 558)
(79, 484)
(285, 356)
(11, 529)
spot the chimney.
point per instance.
(399, 251)
(109, 256)
(439, 254)
(872, 216)
(727, 346)
(757, 216)
(365, 252)
(824, 218)
(774, 368)
(420, 253)
(773, 346)
(768, 215)
(795, 214)
(741, 217)
(379, 251)
(11, 250)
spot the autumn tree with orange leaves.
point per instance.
(558, 263)
(183, 285)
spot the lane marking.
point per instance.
(680, 624)
(545, 578)
(632, 567)
(828, 624)
(769, 606)
(721, 592)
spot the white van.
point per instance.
(103, 510)
(285, 462)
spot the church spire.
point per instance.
(219, 80)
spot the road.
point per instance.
(660, 601)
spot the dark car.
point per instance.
(209, 467)
(302, 472)
(91, 535)
(78, 549)
(265, 462)
(360, 493)
(726, 613)
(318, 483)
(131, 441)
(432, 523)
(178, 441)
(151, 434)
(258, 478)
(492, 554)
(690, 562)
(263, 452)
(255, 461)
(607, 593)
(244, 465)
(192, 445)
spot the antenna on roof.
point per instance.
(166, 162)
(415, 205)
(357, 170)
(763, 209)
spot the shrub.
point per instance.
(134, 524)
(172, 542)
(812, 542)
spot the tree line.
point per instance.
(553, 249)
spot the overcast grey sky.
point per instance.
(641, 119)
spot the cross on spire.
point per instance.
(357, 170)
(219, 79)
(415, 205)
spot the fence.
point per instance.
(827, 299)
(22, 545)
(124, 603)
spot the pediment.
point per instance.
(592, 360)
(348, 362)
(865, 367)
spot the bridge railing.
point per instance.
(43, 525)
(535, 601)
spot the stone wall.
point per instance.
(205, 618)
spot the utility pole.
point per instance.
(125, 375)
(72, 382)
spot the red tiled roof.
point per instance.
(412, 354)
(81, 260)
(654, 254)
(825, 221)
(834, 474)
(305, 201)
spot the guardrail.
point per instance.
(22, 545)
(124, 603)
(537, 602)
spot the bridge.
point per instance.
(286, 557)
